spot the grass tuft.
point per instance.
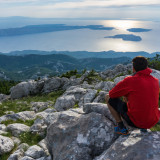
(30, 138)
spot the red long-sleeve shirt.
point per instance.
(142, 92)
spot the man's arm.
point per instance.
(121, 89)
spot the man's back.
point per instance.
(142, 92)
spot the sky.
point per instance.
(109, 9)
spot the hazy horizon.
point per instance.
(109, 9)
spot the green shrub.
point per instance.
(6, 85)
(156, 128)
(27, 122)
(30, 138)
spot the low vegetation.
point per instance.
(6, 85)
(154, 62)
(30, 138)
(27, 122)
(23, 104)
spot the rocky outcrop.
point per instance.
(26, 115)
(26, 88)
(39, 106)
(156, 74)
(137, 146)
(35, 152)
(52, 84)
(120, 69)
(4, 97)
(39, 127)
(90, 134)
(79, 125)
(17, 129)
(105, 85)
(98, 108)
(6, 145)
(65, 102)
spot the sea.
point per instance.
(82, 39)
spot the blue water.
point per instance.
(83, 39)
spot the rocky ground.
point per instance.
(69, 121)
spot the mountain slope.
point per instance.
(34, 66)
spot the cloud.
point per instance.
(78, 8)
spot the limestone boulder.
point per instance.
(39, 106)
(71, 113)
(39, 127)
(25, 115)
(100, 108)
(105, 85)
(35, 152)
(17, 129)
(136, 146)
(2, 127)
(76, 91)
(26, 88)
(79, 136)
(101, 97)
(156, 74)
(65, 102)
(17, 155)
(6, 144)
(52, 84)
(89, 96)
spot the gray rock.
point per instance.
(52, 84)
(45, 158)
(43, 145)
(17, 155)
(89, 96)
(108, 86)
(4, 97)
(83, 136)
(101, 97)
(35, 152)
(118, 79)
(16, 140)
(39, 106)
(136, 146)
(23, 146)
(26, 88)
(17, 128)
(116, 71)
(27, 158)
(25, 115)
(39, 127)
(52, 117)
(98, 108)
(6, 145)
(156, 74)
(105, 86)
(77, 92)
(2, 127)
(65, 102)
(99, 85)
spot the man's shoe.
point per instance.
(123, 131)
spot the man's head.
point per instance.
(139, 63)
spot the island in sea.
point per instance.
(126, 37)
(138, 30)
(34, 29)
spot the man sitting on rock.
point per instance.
(140, 92)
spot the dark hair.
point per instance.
(139, 63)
